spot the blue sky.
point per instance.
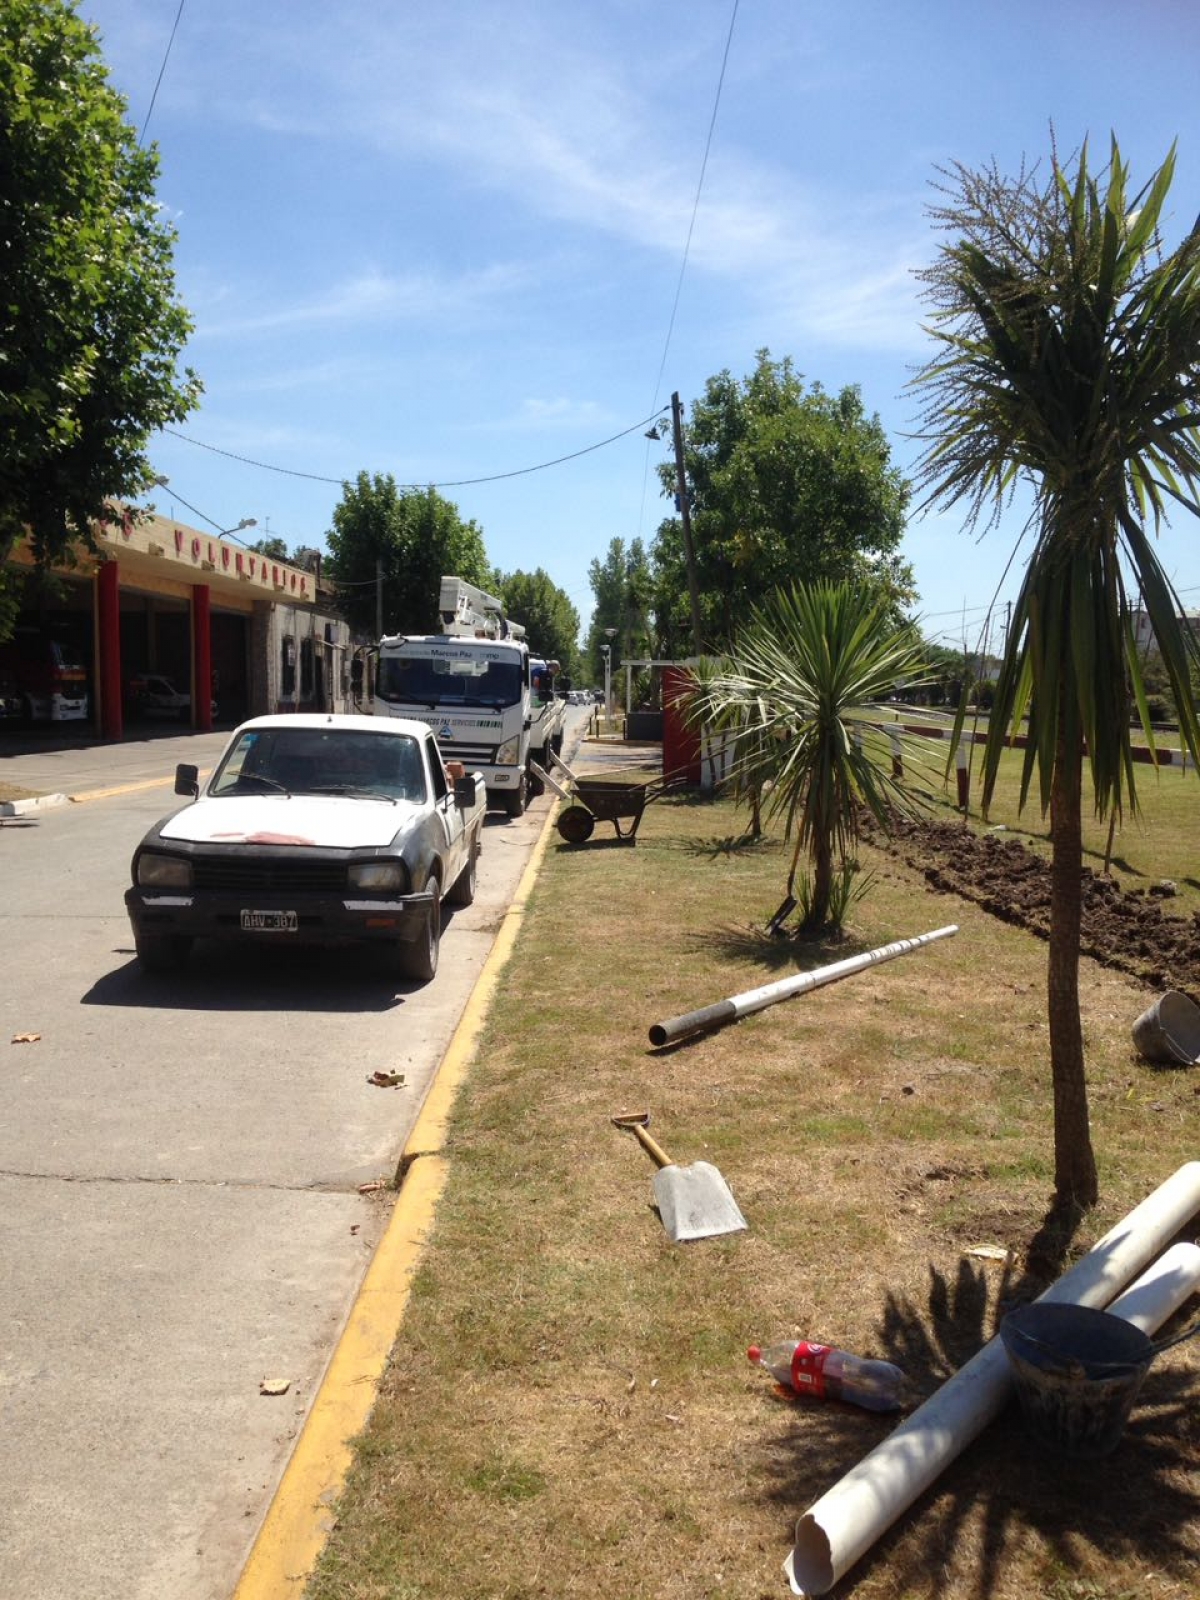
(444, 240)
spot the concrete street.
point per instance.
(180, 1171)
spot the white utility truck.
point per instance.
(491, 704)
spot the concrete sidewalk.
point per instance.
(56, 772)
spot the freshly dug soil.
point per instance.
(1126, 929)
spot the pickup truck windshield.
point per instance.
(422, 680)
(318, 761)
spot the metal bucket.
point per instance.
(1078, 1372)
(1169, 1031)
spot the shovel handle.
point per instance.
(650, 1144)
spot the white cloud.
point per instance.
(374, 298)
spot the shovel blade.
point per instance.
(695, 1202)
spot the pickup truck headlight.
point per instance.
(506, 755)
(376, 875)
(163, 872)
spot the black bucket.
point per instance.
(1078, 1373)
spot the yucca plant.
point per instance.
(1069, 358)
(804, 693)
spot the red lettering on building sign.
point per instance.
(238, 563)
(253, 563)
(178, 541)
(126, 524)
(195, 549)
(274, 574)
(225, 557)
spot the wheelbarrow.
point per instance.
(611, 797)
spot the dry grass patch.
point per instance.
(569, 1410)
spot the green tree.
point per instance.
(411, 538)
(551, 622)
(623, 590)
(90, 329)
(810, 675)
(786, 484)
(1068, 350)
(274, 548)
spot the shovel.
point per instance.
(693, 1202)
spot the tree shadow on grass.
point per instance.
(1009, 1503)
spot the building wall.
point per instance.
(254, 604)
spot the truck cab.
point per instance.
(489, 702)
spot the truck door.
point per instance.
(450, 819)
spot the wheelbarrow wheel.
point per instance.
(576, 824)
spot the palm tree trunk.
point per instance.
(822, 857)
(1075, 1178)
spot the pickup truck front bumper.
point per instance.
(278, 918)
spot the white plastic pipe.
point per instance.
(1161, 1289)
(845, 1522)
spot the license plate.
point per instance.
(269, 922)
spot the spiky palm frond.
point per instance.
(806, 691)
(1070, 359)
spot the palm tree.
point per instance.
(809, 679)
(1069, 360)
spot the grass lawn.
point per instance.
(569, 1410)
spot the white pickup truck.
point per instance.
(312, 829)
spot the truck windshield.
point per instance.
(322, 761)
(422, 680)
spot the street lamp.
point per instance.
(607, 650)
(246, 522)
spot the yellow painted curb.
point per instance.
(299, 1518)
(124, 788)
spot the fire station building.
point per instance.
(235, 632)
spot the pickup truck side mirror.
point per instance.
(464, 792)
(187, 779)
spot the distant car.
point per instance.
(152, 695)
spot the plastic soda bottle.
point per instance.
(828, 1374)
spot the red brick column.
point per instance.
(202, 652)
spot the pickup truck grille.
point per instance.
(278, 876)
(471, 755)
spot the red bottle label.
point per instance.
(808, 1368)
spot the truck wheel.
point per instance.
(516, 801)
(419, 958)
(462, 891)
(162, 953)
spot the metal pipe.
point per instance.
(740, 1005)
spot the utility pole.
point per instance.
(378, 598)
(685, 515)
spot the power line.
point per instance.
(712, 123)
(161, 72)
(225, 533)
(456, 483)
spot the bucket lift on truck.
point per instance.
(470, 613)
